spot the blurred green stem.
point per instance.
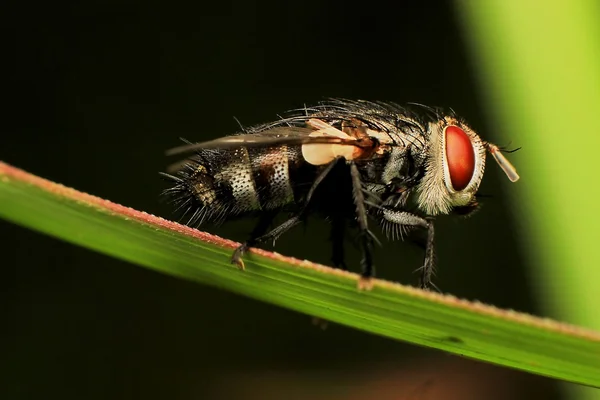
(539, 68)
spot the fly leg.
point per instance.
(276, 233)
(366, 237)
(300, 216)
(280, 230)
(413, 220)
(338, 227)
(261, 227)
(428, 269)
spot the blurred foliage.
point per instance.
(539, 67)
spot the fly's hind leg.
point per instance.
(259, 235)
(261, 227)
(274, 234)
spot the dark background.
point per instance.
(94, 92)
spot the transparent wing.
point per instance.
(272, 137)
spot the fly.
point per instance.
(351, 162)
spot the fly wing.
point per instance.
(284, 135)
(321, 143)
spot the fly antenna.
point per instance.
(506, 166)
(508, 151)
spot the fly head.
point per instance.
(454, 167)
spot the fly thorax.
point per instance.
(396, 165)
(453, 169)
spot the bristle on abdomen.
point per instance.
(216, 184)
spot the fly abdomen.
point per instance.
(270, 169)
(216, 184)
(235, 175)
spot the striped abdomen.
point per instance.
(220, 183)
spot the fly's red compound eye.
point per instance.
(460, 157)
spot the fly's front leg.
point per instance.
(428, 269)
(300, 216)
(409, 219)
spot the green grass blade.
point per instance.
(470, 329)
